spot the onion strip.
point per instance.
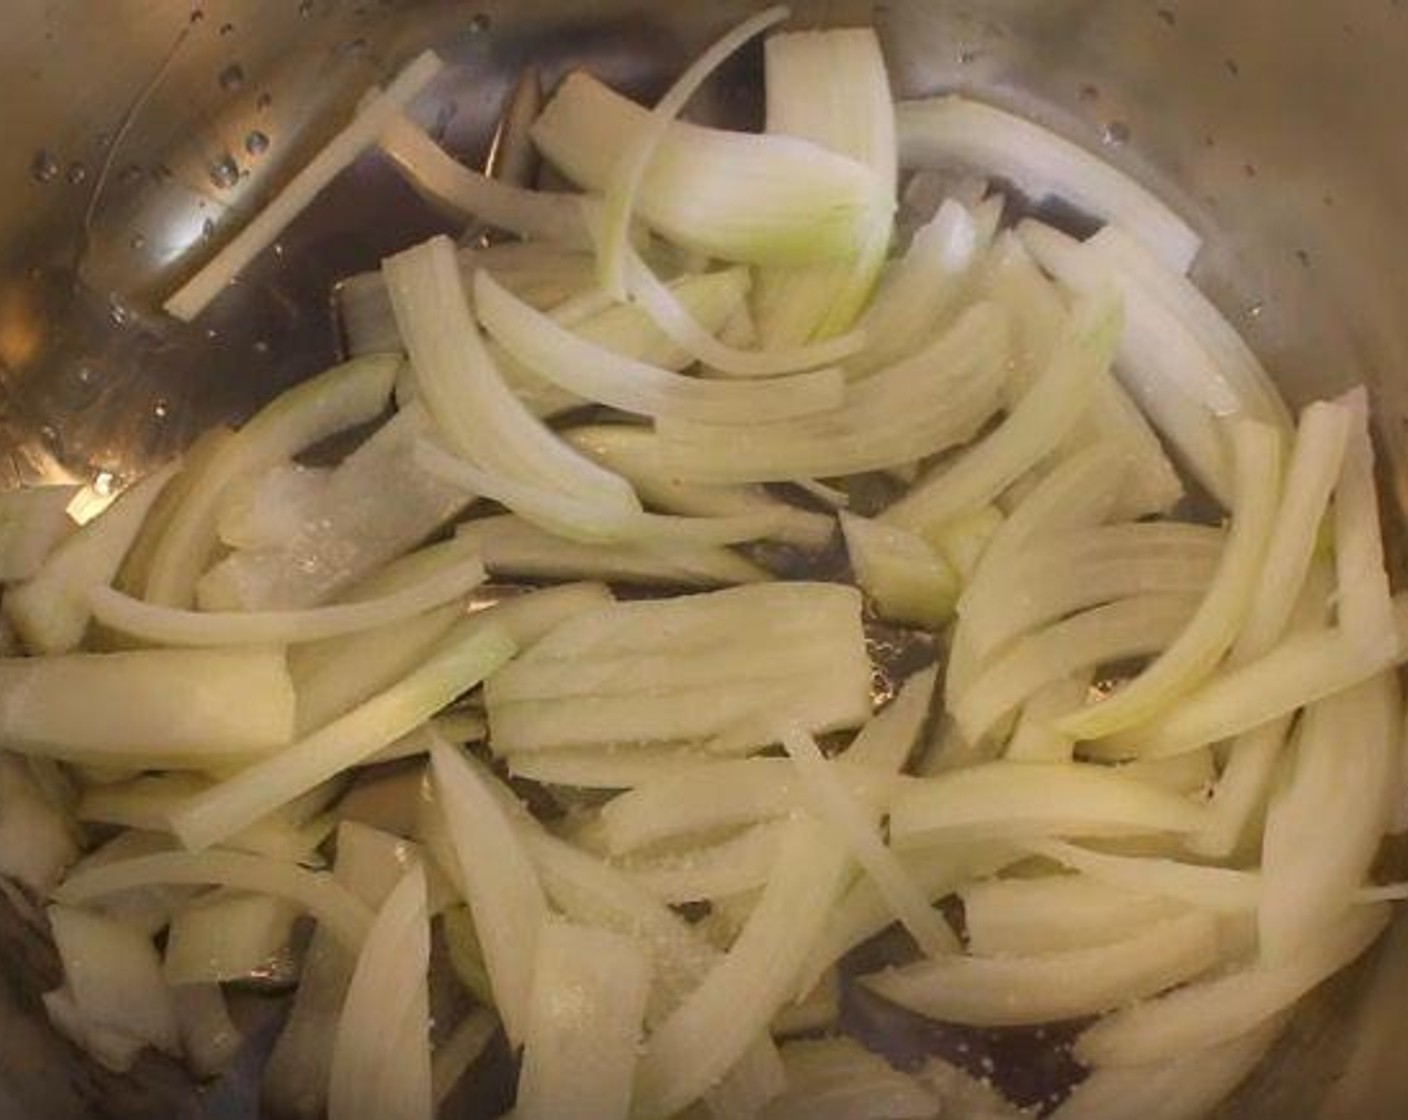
(174, 627)
(317, 892)
(197, 292)
(621, 189)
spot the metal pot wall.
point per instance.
(140, 133)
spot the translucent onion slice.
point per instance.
(538, 215)
(504, 893)
(632, 161)
(930, 401)
(1017, 800)
(863, 912)
(1134, 627)
(1179, 1089)
(833, 803)
(594, 892)
(1219, 889)
(33, 519)
(908, 579)
(678, 323)
(728, 794)
(635, 454)
(610, 767)
(1363, 603)
(229, 936)
(584, 1024)
(889, 738)
(1311, 475)
(730, 867)
(373, 506)
(1039, 423)
(1158, 362)
(373, 115)
(1214, 627)
(371, 1075)
(1043, 164)
(1300, 670)
(1080, 568)
(343, 397)
(838, 1077)
(1080, 492)
(738, 196)
(1325, 819)
(509, 546)
(1198, 314)
(597, 374)
(922, 288)
(473, 650)
(830, 87)
(209, 1037)
(717, 1022)
(671, 671)
(1054, 913)
(474, 410)
(1218, 1010)
(177, 709)
(50, 611)
(1019, 990)
(114, 975)
(173, 627)
(330, 904)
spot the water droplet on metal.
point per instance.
(256, 143)
(85, 375)
(197, 15)
(1255, 310)
(161, 409)
(261, 347)
(120, 314)
(44, 167)
(232, 77)
(211, 333)
(225, 172)
(227, 29)
(265, 100)
(138, 241)
(1116, 134)
(77, 173)
(479, 23)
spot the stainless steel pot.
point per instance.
(139, 133)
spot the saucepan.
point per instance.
(140, 133)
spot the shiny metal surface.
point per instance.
(139, 133)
